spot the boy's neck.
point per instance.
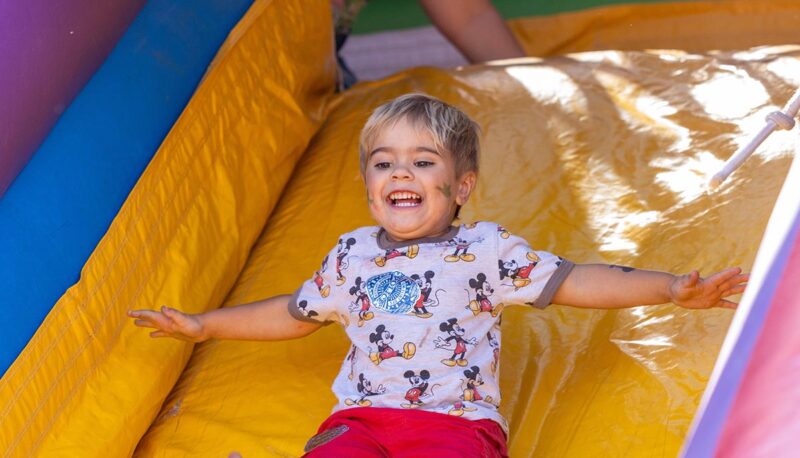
(386, 241)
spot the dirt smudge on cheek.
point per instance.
(445, 189)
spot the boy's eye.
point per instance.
(423, 163)
(382, 165)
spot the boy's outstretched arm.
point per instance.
(606, 286)
(268, 319)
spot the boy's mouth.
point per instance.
(404, 199)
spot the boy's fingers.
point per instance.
(158, 334)
(722, 276)
(727, 304)
(172, 313)
(144, 323)
(735, 281)
(735, 290)
(744, 278)
(690, 280)
(145, 314)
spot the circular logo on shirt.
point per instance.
(393, 292)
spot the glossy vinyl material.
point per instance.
(89, 383)
(599, 157)
(693, 25)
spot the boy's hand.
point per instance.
(170, 323)
(692, 292)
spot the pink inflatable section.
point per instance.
(48, 51)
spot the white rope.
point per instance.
(775, 121)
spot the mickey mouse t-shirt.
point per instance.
(423, 315)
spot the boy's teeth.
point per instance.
(405, 199)
(403, 195)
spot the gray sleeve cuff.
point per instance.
(297, 314)
(552, 285)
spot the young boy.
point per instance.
(421, 299)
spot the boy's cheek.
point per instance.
(445, 189)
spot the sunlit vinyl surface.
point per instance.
(599, 157)
(691, 25)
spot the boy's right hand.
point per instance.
(170, 323)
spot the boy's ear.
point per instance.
(465, 186)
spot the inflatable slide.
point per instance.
(203, 183)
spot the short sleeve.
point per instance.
(528, 276)
(316, 299)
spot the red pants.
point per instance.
(367, 432)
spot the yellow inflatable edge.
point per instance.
(693, 26)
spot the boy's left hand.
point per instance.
(693, 292)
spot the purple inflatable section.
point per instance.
(48, 51)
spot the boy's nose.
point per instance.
(401, 172)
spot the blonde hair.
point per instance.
(451, 129)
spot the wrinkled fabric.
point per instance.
(599, 157)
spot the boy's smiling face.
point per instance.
(412, 187)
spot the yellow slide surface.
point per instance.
(693, 25)
(597, 156)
